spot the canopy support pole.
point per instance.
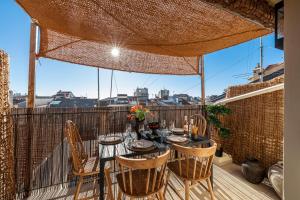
(98, 86)
(31, 71)
(202, 76)
(111, 79)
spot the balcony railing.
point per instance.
(41, 153)
(42, 156)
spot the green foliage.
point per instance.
(224, 132)
(218, 110)
(138, 112)
(213, 113)
(140, 115)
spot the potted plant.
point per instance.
(138, 114)
(213, 115)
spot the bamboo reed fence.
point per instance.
(256, 124)
(7, 186)
(42, 155)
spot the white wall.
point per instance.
(292, 100)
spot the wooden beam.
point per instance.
(270, 89)
(202, 80)
(31, 71)
(98, 86)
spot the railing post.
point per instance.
(114, 121)
(16, 135)
(62, 149)
(29, 151)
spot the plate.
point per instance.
(140, 149)
(142, 144)
(177, 139)
(110, 140)
(178, 131)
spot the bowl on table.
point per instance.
(141, 145)
(110, 140)
(197, 137)
(178, 131)
(177, 139)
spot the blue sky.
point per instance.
(220, 67)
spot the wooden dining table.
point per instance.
(109, 152)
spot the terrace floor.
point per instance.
(228, 185)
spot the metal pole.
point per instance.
(261, 76)
(111, 79)
(201, 63)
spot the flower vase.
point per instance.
(137, 128)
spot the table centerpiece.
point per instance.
(137, 115)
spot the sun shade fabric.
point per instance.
(75, 50)
(162, 37)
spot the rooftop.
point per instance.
(46, 151)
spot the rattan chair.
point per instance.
(193, 165)
(82, 165)
(140, 178)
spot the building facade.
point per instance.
(163, 94)
(142, 95)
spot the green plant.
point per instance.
(213, 114)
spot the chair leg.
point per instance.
(161, 195)
(187, 190)
(78, 188)
(94, 188)
(167, 181)
(210, 189)
(119, 195)
(108, 184)
(149, 198)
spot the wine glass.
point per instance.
(172, 125)
(163, 124)
(129, 129)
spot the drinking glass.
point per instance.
(172, 125)
(163, 124)
(128, 128)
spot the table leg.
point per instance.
(101, 180)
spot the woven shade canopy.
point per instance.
(161, 37)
